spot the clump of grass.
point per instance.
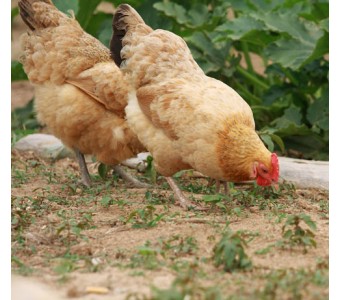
(72, 224)
(292, 284)
(230, 253)
(144, 217)
(164, 252)
(293, 235)
(21, 267)
(178, 245)
(185, 286)
(147, 257)
(240, 199)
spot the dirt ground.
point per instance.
(73, 238)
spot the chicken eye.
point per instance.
(264, 170)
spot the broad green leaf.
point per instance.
(105, 32)
(153, 17)
(278, 141)
(202, 42)
(103, 170)
(206, 66)
(321, 48)
(290, 53)
(237, 28)
(309, 145)
(66, 5)
(318, 112)
(17, 71)
(320, 10)
(291, 115)
(85, 12)
(268, 141)
(285, 22)
(99, 21)
(259, 38)
(244, 6)
(324, 24)
(267, 6)
(173, 10)
(198, 14)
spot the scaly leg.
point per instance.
(218, 187)
(85, 176)
(179, 196)
(130, 179)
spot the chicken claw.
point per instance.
(133, 182)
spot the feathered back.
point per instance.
(126, 20)
(59, 38)
(38, 14)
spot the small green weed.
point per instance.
(294, 235)
(230, 252)
(187, 286)
(144, 217)
(292, 284)
(156, 198)
(106, 201)
(178, 245)
(72, 225)
(21, 267)
(146, 257)
(21, 212)
(150, 171)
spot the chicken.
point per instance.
(183, 117)
(80, 94)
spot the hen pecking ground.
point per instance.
(113, 242)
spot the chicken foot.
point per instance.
(85, 176)
(86, 179)
(179, 196)
(134, 182)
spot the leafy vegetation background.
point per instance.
(289, 97)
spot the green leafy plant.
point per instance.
(230, 253)
(187, 286)
(150, 170)
(144, 217)
(288, 40)
(294, 235)
(146, 257)
(71, 226)
(178, 245)
(292, 284)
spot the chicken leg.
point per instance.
(218, 187)
(179, 196)
(85, 176)
(86, 180)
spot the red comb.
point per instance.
(275, 167)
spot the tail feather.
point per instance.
(126, 20)
(39, 14)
